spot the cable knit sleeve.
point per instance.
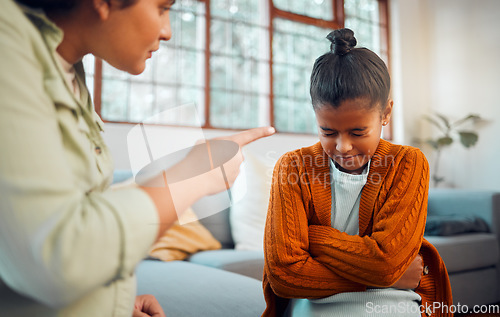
(290, 269)
(379, 259)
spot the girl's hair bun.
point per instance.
(343, 41)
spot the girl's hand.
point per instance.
(147, 305)
(411, 278)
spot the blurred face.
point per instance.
(351, 133)
(135, 33)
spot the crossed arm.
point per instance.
(312, 261)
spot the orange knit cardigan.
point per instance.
(306, 258)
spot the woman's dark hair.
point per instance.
(62, 5)
(50, 5)
(348, 73)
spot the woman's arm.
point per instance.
(173, 198)
(290, 269)
(381, 258)
(61, 236)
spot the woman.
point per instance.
(68, 244)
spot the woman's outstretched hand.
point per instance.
(411, 278)
(248, 136)
(218, 160)
(147, 306)
(231, 167)
(210, 167)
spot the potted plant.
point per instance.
(449, 131)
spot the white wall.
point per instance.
(446, 59)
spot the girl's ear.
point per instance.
(386, 116)
(102, 8)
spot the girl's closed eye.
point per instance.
(164, 9)
(166, 6)
(358, 133)
(329, 133)
(355, 134)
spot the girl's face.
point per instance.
(135, 32)
(351, 133)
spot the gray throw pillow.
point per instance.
(451, 225)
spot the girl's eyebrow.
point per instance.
(355, 129)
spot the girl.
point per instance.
(68, 244)
(346, 218)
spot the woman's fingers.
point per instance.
(147, 305)
(248, 136)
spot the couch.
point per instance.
(227, 282)
(472, 259)
(220, 282)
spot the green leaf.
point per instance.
(445, 120)
(432, 143)
(473, 117)
(435, 123)
(446, 140)
(468, 138)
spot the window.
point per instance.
(242, 63)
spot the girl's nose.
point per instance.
(343, 145)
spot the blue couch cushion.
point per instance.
(467, 251)
(190, 290)
(249, 263)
